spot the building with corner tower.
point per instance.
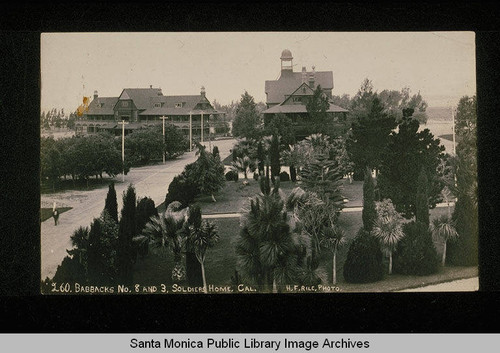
(290, 93)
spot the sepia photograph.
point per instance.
(258, 162)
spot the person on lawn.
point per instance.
(55, 214)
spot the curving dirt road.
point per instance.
(150, 181)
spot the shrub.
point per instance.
(215, 151)
(364, 260)
(145, 209)
(415, 253)
(284, 176)
(232, 175)
(70, 271)
(464, 251)
(182, 190)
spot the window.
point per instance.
(124, 104)
(157, 105)
(297, 99)
(179, 105)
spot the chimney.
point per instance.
(202, 92)
(311, 78)
(95, 95)
(304, 74)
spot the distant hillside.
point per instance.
(439, 113)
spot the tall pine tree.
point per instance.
(465, 250)
(407, 152)
(370, 136)
(247, 120)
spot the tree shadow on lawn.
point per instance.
(235, 196)
(220, 263)
(46, 187)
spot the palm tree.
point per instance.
(266, 247)
(167, 231)
(333, 238)
(203, 238)
(443, 228)
(244, 165)
(389, 231)
(294, 157)
(80, 242)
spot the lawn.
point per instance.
(234, 196)
(46, 213)
(221, 260)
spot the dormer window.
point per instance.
(297, 99)
(157, 105)
(179, 105)
(124, 104)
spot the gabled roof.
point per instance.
(277, 89)
(189, 104)
(107, 106)
(300, 108)
(142, 97)
(302, 90)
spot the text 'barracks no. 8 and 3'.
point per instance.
(77, 288)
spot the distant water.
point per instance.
(440, 123)
(439, 113)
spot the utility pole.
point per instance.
(163, 151)
(190, 131)
(210, 117)
(123, 122)
(453, 124)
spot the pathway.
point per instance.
(345, 209)
(150, 181)
(461, 285)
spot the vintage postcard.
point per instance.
(258, 162)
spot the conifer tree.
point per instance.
(215, 152)
(422, 199)
(369, 213)
(275, 157)
(111, 204)
(145, 209)
(260, 157)
(126, 231)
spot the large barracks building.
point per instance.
(145, 107)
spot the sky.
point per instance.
(441, 65)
